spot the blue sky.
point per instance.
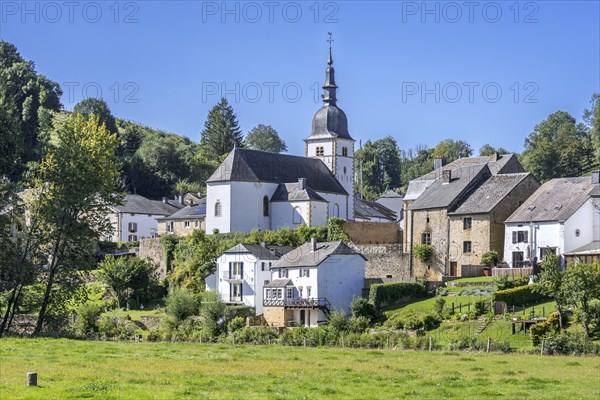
(484, 72)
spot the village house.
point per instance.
(254, 189)
(242, 271)
(372, 211)
(562, 217)
(136, 218)
(311, 281)
(460, 208)
(393, 201)
(184, 221)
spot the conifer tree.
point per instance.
(221, 130)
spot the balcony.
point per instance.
(297, 303)
(235, 300)
(231, 277)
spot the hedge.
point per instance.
(520, 296)
(383, 294)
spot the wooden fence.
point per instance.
(512, 271)
(469, 271)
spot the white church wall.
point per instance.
(247, 205)
(289, 214)
(218, 191)
(318, 213)
(340, 200)
(327, 144)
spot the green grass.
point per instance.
(487, 279)
(123, 370)
(427, 305)
(498, 331)
(135, 314)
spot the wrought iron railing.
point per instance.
(298, 303)
(231, 276)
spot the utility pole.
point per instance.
(361, 170)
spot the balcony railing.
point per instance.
(235, 299)
(230, 276)
(297, 303)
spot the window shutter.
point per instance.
(307, 272)
(514, 236)
(525, 236)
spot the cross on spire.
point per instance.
(330, 40)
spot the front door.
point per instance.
(302, 317)
(517, 259)
(453, 268)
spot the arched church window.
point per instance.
(296, 217)
(336, 210)
(265, 206)
(218, 208)
(345, 170)
(345, 151)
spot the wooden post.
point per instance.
(543, 312)
(542, 349)
(460, 308)
(304, 342)
(201, 339)
(343, 341)
(489, 342)
(430, 343)
(452, 307)
(388, 342)
(32, 379)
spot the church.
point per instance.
(254, 189)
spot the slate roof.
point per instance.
(279, 283)
(555, 200)
(303, 256)
(245, 165)
(189, 212)
(446, 195)
(490, 193)
(392, 194)
(590, 248)
(291, 192)
(366, 209)
(136, 204)
(259, 251)
(504, 164)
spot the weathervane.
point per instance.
(330, 40)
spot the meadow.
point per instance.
(70, 369)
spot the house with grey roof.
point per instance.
(393, 201)
(184, 221)
(562, 217)
(254, 189)
(242, 271)
(136, 217)
(311, 281)
(372, 211)
(460, 208)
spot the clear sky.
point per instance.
(484, 72)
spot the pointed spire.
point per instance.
(330, 88)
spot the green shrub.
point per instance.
(255, 335)
(413, 320)
(519, 296)
(338, 321)
(383, 294)
(439, 306)
(490, 258)
(358, 324)
(236, 324)
(505, 282)
(180, 304)
(570, 343)
(86, 321)
(480, 307)
(542, 329)
(362, 308)
(423, 252)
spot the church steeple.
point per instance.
(330, 88)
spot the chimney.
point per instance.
(180, 199)
(446, 176)
(439, 162)
(494, 156)
(313, 244)
(165, 200)
(596, 177)
(301, 183)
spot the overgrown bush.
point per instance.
(86, 320)
(570, 343)
(505, 282)
(212, 311)
(541, 329)
(439, 306)
(338, 321)
(519, 296)
(490, 258)
(358, 324)
(423, 252)
(412, 320)
(180, 304)
(236, 324)
(383, 294)
(255, 335)
(362, 308)
(480, 307)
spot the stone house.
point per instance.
(184, 221)
(562, 217)
(311, 281)
(459, 209)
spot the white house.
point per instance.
(136, 218)
(260, 190)
(561, 217)
(311, 281)
(241, 273)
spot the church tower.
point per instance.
(330, 141)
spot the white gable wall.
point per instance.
(341, 279)
(218, 191)
(582, 220)
(541, 234)
(341, 200)
(282, 214)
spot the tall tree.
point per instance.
(557, 147)
(265, 138)
(550, 283)
(29, 99)
(591, 118)
(582, 285)
(78, 181)
(221, 130)
(9, 148)
(415, 163)
(488, 150)
(381, 166)
(452, 149)
(99, 108)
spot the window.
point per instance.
(308, 291)
(263, 266)
(304, 272)
(345, 151)
(282, 273)
(265, 206)
(467, 248)
(186, 224)
(520, 236)
(170, 226)
(132, 238)
(388, 277)
(300, 291)
(296, 217)
(336, 210)
(235, 292)
(218, 208)
(279, 293)
(236, 269)
(320, 151)
(345, 170)
(546, 251)
(517, 259)
(290, 293)
(132, 226)
(426, 238)
(197, 224)
(268, 294)
(577, 232)
(467, 222)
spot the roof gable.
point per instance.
(304, 256)
(262, 252)
(136, 204)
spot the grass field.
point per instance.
(122, 370)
